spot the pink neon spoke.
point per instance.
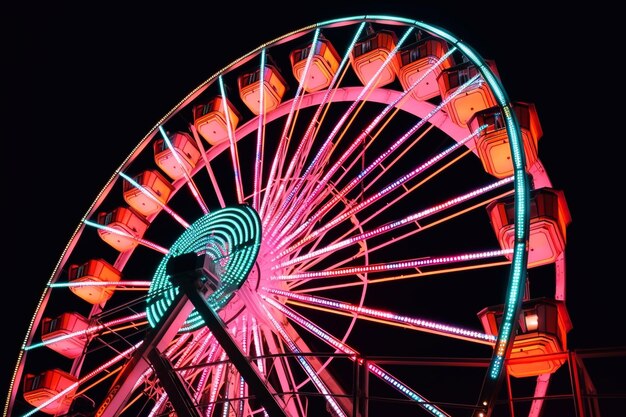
(190, 183)
(157, 406)
(270, 214)
(280, 155)
(141, 241)
(389, 227)
(163, 206)
(318, 213)
(93, 329)
(207, 165)
(354, 356)
(204, 376)
(388, 317)
(541, 389)
(393, 266)
(260, 144)
(306, 366)
(257, 346)
(323, 183)
(215, 384)
(300, 180)
(233, 145)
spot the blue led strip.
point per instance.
(231, 237)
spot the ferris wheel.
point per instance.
(350, 220)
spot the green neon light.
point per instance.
(231, 237)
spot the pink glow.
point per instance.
(393, 266)
(416, 323)
(317, 214)
(382, 229)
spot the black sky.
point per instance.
(86, 82)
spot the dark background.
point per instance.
(86, 82)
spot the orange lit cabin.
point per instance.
(549, 218)
(65, 324)
(492, 142)
(184, 146)
(273, 84)
(153, 182)
(96, 271)
(125, 220)
(540, 339)
(211, 119)
(369, 55)
(475, 97)
(324, 65)
(41, 388)
(416, 60)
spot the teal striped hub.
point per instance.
(231, 237)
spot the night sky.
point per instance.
(87, 82)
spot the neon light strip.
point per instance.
(386, 227)
(354, 355)
(352, 147)
(206, 338)
(392, 266)
(76, 284)
(87, 331)
(147, 193)
(388, 189)
(257, 345)
(400, 386)
(207, 165)
(322, 184)
(365, 133)
(233, 146)
(206, 370)
(312, 125)
(305, 364)
(127, 235)
(260, 142)
(159, 402)
(285, 139)
(419, 324)
(192, 186)
(215, 385)
(245, 350)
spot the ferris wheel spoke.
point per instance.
(207, 165)
(278, 367)
(383, 317)
(346, 240)
(128, 236)
(354, 356)
(189, 180)
(312, 127)
(231, 140)
(306, 365)
(342, 122)
(471, 257)
(287, 137)
(320, 212)
(150, 195)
